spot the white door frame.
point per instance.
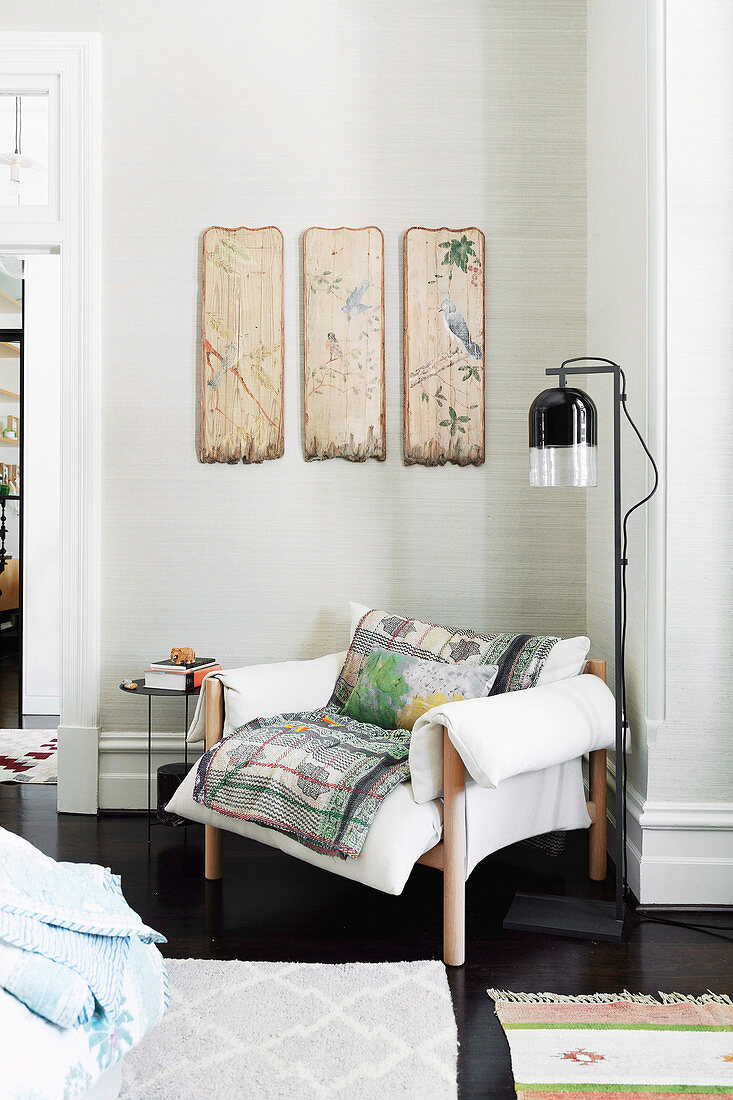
(70, 61)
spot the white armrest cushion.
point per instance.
(261, 691)
(512, 733)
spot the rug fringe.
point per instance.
(708, 998)
(561, 999)
(607, 998)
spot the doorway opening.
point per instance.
(30, 432)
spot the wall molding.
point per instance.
(687, 815)
(136, 741)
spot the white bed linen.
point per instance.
(402, 831)
(50, 1062)
(108, 1085)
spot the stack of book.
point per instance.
(172, 677)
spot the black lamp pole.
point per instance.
(573, 427)
(619, 563)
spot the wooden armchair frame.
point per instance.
(449, 855)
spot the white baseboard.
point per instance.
(78, 769)
(687, 853)
(678, 853)
(123, 766)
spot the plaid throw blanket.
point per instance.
(316, 776)
(519, 657)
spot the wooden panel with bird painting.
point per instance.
(242, 345)
(343, 293)
(444, 346)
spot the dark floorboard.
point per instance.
(8, 688)
(10, 718)
(272, 907)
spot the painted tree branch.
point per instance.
(442, 362)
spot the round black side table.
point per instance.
(163, 694)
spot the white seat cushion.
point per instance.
(401, 832)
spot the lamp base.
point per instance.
(579, 918)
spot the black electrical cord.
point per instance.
(621, 764)
(705, 929)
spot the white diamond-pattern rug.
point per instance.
(299, 1030)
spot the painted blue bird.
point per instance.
(354, 302)
(455, 324)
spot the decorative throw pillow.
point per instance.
(393, 690)
(520, 657)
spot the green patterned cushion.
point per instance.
(394, 689)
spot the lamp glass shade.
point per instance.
(562, 439)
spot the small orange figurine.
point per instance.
(183, 655)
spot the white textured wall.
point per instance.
(693, 755)
(330, 113)
(616, 326)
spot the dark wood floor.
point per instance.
(273, 907)
(10, 718)
(8, 690)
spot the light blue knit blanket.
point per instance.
(72, 915)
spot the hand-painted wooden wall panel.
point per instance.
(242, 345)
(343, 288)
(444, 346)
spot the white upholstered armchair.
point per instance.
(485, 773)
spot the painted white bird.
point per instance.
(455, 324)
(229, 359)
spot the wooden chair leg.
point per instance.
(597, 794)
(212, 852)
(454, 855)
(597, 783)
(214, 732)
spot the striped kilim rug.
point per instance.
(618, 1045)
(28, 756)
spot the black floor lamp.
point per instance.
(563, 453)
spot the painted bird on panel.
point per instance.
(455, 324)
(335, 351)
(354, 302)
